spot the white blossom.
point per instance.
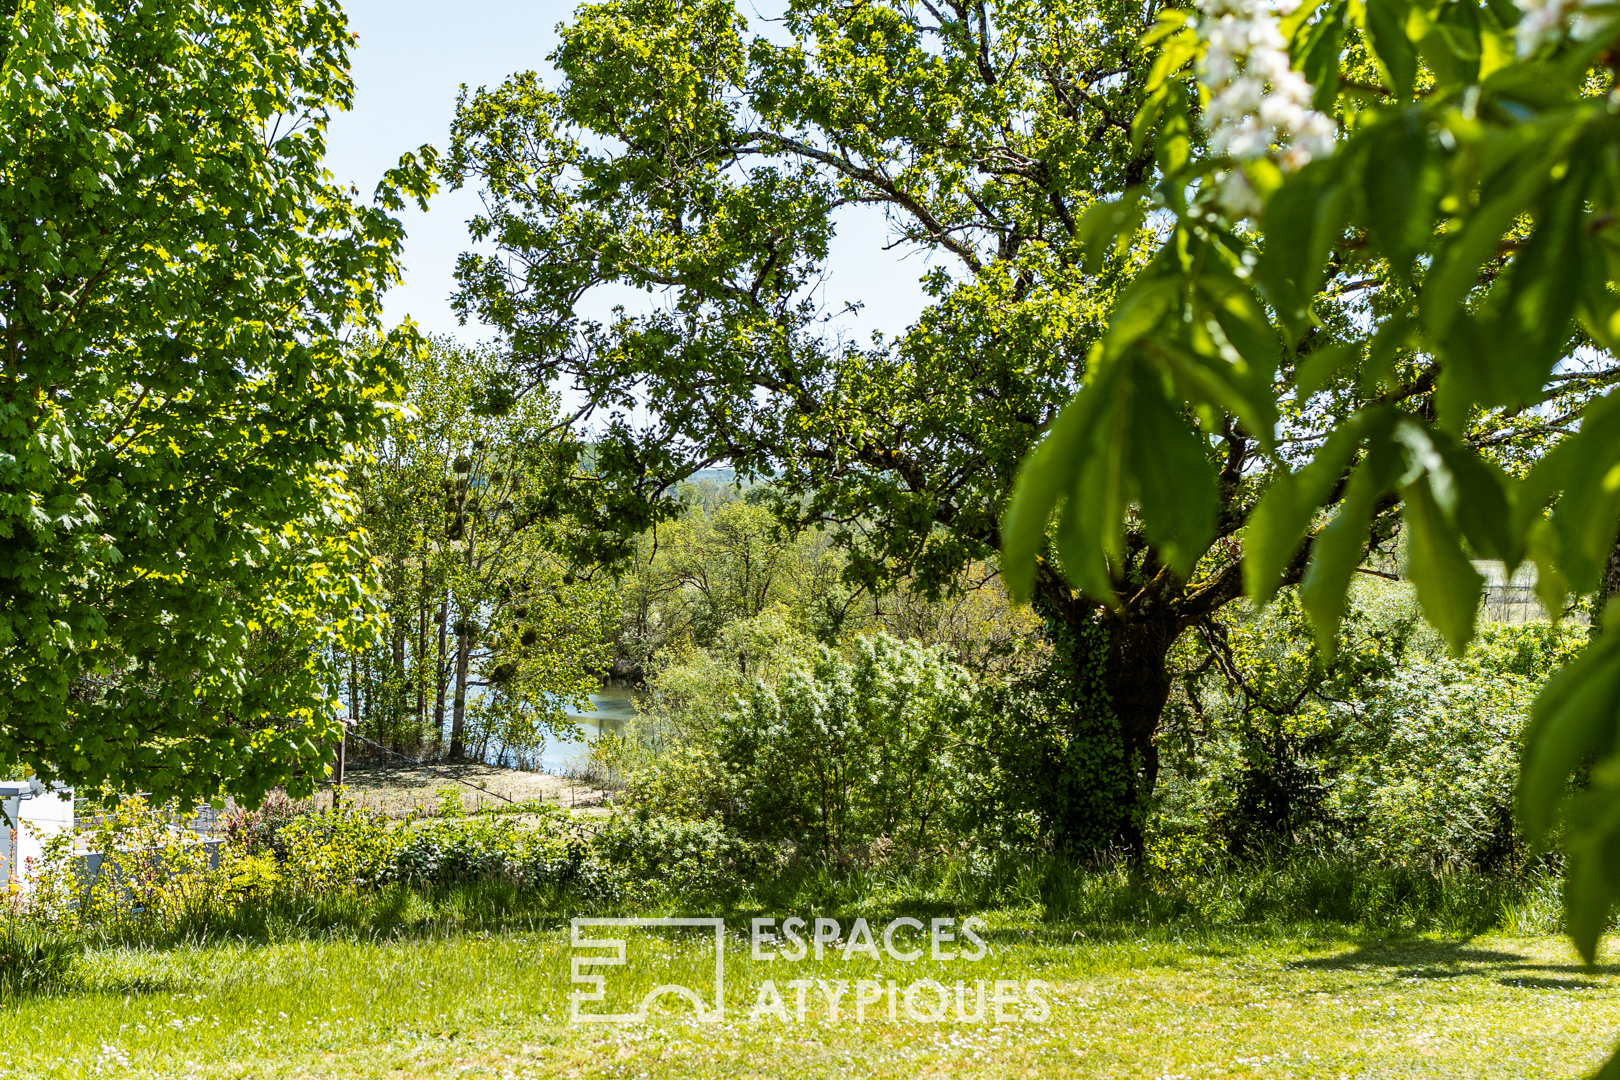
(1259, 106)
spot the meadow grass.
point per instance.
(1231, 1002)
(1300, 968)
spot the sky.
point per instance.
(411, 59)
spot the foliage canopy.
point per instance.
(1474, 193)
(178, 409)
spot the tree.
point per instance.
(1474, 190)
(1013, 143)
(489, 630)
(683, 158)
(179, 409)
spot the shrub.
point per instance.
(663, 857)
(1394, 753)
(1427, 773)
(335, 850)
(453, 851)
(259, 831)
(844, 751)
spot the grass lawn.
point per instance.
(1230, 1003)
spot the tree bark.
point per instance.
(1115, 675)
(458, 723)
(419, 665)
(396, 676)
(439, 675)
(1138, 680)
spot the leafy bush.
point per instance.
(452, 851)
(156, 880)
(258, 831)
(845, 751)
(1393, 753)
(1427, 773)
(658, 857)
(338, 849)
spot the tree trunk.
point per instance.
(439, 675)
(1108, 685)
(1138, 681)
(419, 664)
(458, 723)
(354, 690)
(396, 676)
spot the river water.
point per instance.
(614, 706)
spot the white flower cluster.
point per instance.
(1545, 20)
(1259, 105)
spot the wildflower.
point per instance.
(1259, 105)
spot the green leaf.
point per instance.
(1317, 367)
(1457, 267)
(1484, 506)
(1574, 718)
(1503, 354)
(1277, 526)
(1319, 57)
(1390, 339)
(1289, 25)
(1081, 526)
(1089, 529)
(1169, 23)
(1047, 473)
(1174, 148)
(1592, 872)
(1340, 546)
(1448, 586)
(1586, 466)
(1302, 220)
(1109, 226)
(1552, 587)
(1401, 185)
(1139, 311)
(1177, 50)
(1386, 23)
(1147, 118)
(1174, 476)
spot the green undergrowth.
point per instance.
(1284, 896)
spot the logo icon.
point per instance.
(708, 1011)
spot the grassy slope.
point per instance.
(1223, 1003)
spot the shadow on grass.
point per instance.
(1419, 953)
(1419, 958)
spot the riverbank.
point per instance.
(397, 787)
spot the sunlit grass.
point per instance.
(1163, 1003)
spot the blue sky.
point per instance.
(412, 57)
